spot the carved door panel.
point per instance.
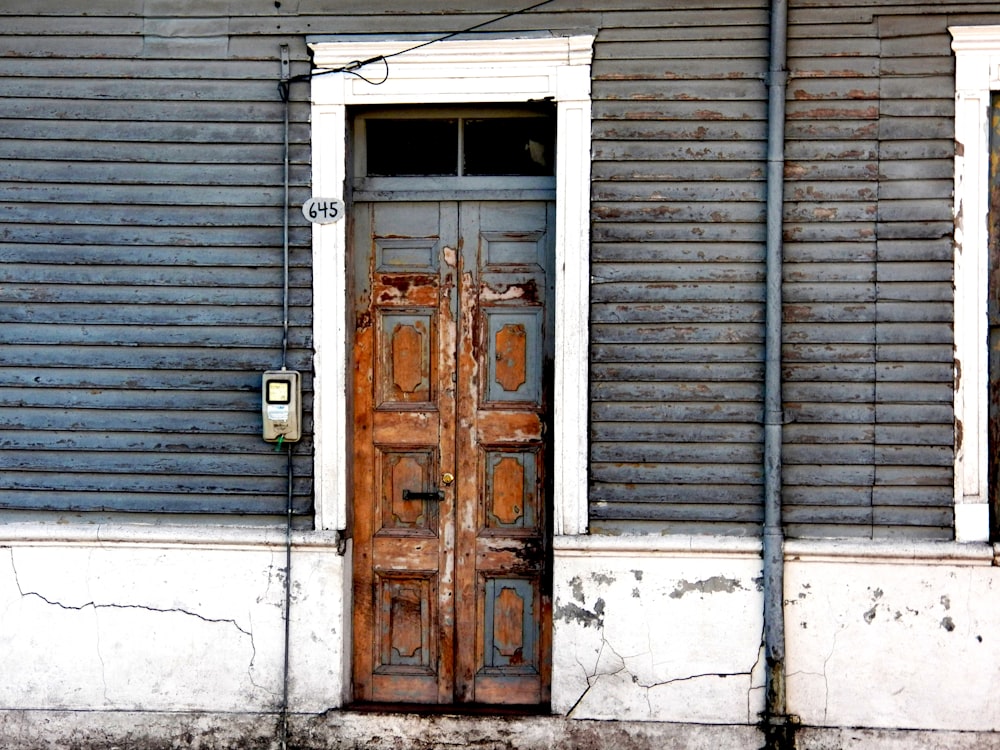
(451, 352)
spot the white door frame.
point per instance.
(452, 71)
(977, 74)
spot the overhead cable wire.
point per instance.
(356, 65)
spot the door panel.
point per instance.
(451, 359)
(402, 559)
(502, 363)
(406, 342)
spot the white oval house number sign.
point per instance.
(323, 210)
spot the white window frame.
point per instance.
(977, 74)
(453, 71)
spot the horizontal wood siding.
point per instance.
(912, 494)
(141, 263)
(677, 326)
(868, 273)
(141, 247)
(830, 286)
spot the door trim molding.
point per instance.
(470, 71)
(977, 74)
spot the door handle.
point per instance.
(414, 495)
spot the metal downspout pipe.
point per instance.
(778, 732)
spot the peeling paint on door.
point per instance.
(450, 451)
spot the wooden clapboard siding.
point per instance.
(141, 144)
(914, 447)
(830, 280)
(868, 270)
(679, 149)
(141, 263)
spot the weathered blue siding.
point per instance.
(142, 264)
(141, 248)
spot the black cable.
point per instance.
(289, 467)
(288, 599)
(470, 29)
(355, 65)
(285, 241)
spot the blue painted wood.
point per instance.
(522, 331)
(140, 206)
(510, 631)
(140, 273)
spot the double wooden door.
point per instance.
(452, 354)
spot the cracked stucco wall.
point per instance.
(657, 634)
(166, 627)
(897, 642)
(894, 636)
(900, 637)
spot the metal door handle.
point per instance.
(414, 495)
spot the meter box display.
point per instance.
(281, 406)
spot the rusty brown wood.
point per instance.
(363, 456)
(402, 408)
(511, 356)
(503, 546)
(407, 358)
(451, 606)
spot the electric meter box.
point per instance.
(281, 405)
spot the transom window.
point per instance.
(481, 142)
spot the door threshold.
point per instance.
(451, 709)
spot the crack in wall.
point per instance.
(96, 606)
(100, 656)
(824, 674)
(97, 628)
(594, 676)
(753, 668)
(826, 678)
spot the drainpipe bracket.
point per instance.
(776, 78)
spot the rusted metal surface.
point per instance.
(449, 474)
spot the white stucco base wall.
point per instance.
(893, 635)
(157, 620)
(880, 635)
(168, 619)
(662, 629)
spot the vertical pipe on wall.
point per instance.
(285, 70)
(283, 727)
(777, 731)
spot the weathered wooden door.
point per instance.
(451, 360)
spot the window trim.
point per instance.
(474, 71)
(977, 74)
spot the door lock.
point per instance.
(415, 495)
(447, 478)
